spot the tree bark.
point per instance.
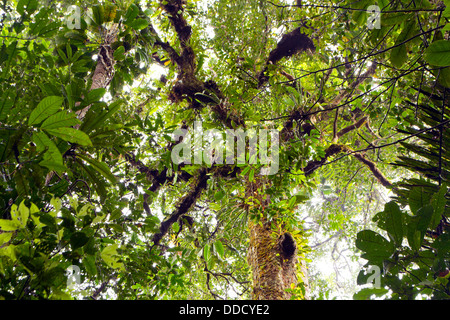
(274, 263)
(275, 259)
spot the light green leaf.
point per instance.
(71, 135)
(47, 107)
(206, 252)
(251, 175)
(110, 256)
(5, 237)
(219, 195)
(438, 53)
(418, 225)
(60, 119)
(9, 225)
(9, 251)
(24, 214)
(139, 24)
(219, 248)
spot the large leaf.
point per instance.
(375, 245)
(438, 53)
(418, 198)
(100, 167)
(111, 257)
(399, 54)
(12, 52)
(78, 239)
(438, 201)
(71, 135)
(95, 121)
(47, 107)
(53, 159)
(6, 102)
(219, 248)
(391, 220)
(9, 225)
(99, 184)
(206, 252)
(418, 226)
(27, 5)
(60, 119)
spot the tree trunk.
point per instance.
(273, 255)
(274, 262)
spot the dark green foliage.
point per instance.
(415, 259)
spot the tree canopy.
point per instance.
(216, 149)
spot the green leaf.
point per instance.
(97, 14)
(131, 14)
(96, 121)
(12, 52)
(100, 167)
(21, 215)
(29, 6)
(418, 225)
(95, 95)
(119, 53)
(139, 24)
(47, 107)
(418, 198)
(206, 252)
(391, 220)
(9, 225)
(251, 175)
(219, 248)
(374, 244)
(399, 55)
(366, 293)
(99, 184)
(219, 195)
(110, 256)
(60, 119)
(176, 227)
(71, 135)
(78, 239)
(438, 201)
(53, 159)
(438, 53)
(6, 102)
(390, 19)
(89, 264)
(5, 237)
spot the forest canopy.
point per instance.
(216, 149)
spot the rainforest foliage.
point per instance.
(93, 205)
